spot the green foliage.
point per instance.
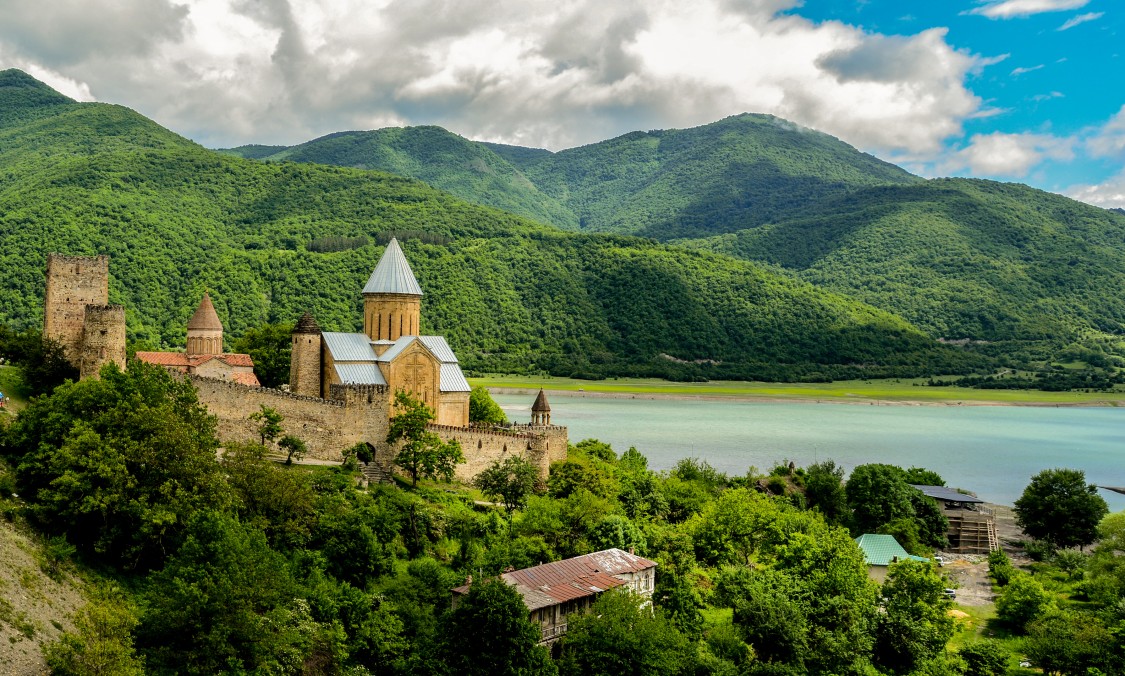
(1059, 507)
(623, 635)
(920, 476)
(101, 643)
(1000, 567)
(824, 491)
(914, 626)
(482, 409)
(488, 633)
(281, 503)
(42, 361)
(294, 448)
(269, 424)
(882, 501)
(510, 482)
(1022, 600)
(270, 346)
(119, 464)
(1106, 567)
(1071, 644)
(986, 657)
(423, 453)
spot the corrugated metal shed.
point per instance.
(452, 380)
(946, 494)
(362, 373)
(393, 274)
(349, 346)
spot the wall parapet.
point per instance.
(266, 390)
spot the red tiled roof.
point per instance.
(248, 379)
(177, 359)
(236, 359)
(571, 579)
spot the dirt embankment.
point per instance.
(34, 607)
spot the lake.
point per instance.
(990, 450)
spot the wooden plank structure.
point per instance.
(972, 526)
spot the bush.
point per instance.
(985, 658)
(1000, 567)
(1023, 601)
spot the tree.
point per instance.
(277, 501)
(1022, 601)
(101, 643)
(269, 423)
(483, 409)
(270, 346)
(294, 448)
(987, 657)
(877, 494)
(1070, 643)
(119, 464)
(423, 453)
(1060, 508)
(914, 626)
(510, 482)
(622, 634)
(824, 490)
(488, 633)
(1106, 567)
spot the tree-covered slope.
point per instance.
(509, 294)
(446, 161)
(962, 258)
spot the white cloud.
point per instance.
(1039, 98)
(1007, 9)
(1109, 139)
(1080, 19)
(552, 73)
(1009, 155)
(1020, 71)
(1109, 194)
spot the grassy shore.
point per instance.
(905, 391)
(11, 384)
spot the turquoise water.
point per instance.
(990, 450)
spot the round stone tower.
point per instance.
(103, 339)
(392, 298)
(204, 330)
(541, 410)
(304, 366)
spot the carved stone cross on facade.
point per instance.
(417, 378)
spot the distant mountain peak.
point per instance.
(15, 79)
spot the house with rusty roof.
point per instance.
(554, 591)
(204, 355)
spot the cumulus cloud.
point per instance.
(1109, 139)
(1080, 19)
(552, 73)
(1007, 9)
(1109, 194)
(1009, 155)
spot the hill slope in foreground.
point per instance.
(509, 294)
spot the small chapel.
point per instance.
(390, 352)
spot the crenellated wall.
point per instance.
(539, 445)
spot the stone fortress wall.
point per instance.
(77, 314)
(103, 339)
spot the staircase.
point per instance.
(375, 473)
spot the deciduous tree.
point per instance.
(423, 453)
(488, 633)
(1060, 507)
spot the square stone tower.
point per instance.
(73, 282)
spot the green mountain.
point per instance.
(510, 294)
(962, 258)
(721, 177)
(446, 161)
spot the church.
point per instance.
(389, 352)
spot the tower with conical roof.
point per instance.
(392, 298)
(305, 364)
(541, 410)
(204, 330)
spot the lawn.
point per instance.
(11, 384)
(894, 390)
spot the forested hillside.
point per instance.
(721, 177)
(961, 258)
(509, 294)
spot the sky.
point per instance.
(1016, 90)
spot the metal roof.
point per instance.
(349, 346)
(396, 349)
(452, 380)
(440, 348)
(881, 550)
(946, 494)
(393, 274)
(364, 373)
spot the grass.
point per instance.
(979, 622)
(11, 384)
(894, 390)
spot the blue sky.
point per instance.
(1059, 73)
(1019, 90)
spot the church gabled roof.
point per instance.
(205, 317)
(393, 274)
(541, 402)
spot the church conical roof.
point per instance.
(541, 402)
(205, 317)
(306, 324)
(393, 274)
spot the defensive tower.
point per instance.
(392, 298)
(204, 330)
(541, 410)
(305, 366)
(73, 282)
(103, 339)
